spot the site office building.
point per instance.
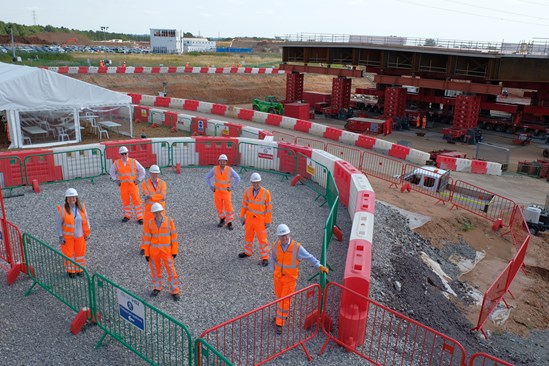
(172, 41)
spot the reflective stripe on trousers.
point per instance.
(155, 264)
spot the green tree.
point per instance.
(429, 42)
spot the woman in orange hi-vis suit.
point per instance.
(153, 190)
(285, 257)
(256, 214)
(221, 187)
(127, 173)
(161, 248)
(73, 228)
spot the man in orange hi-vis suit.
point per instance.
(153, 190)
(161, 248)
(127, 173)
(221, 186)
(285, 257)
(256, 214)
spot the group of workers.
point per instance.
(159, 243)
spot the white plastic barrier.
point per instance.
(215, 127)
(359, 182)
(130, 69)
(288, 123)
(204, 107)
(463, 165)
(78, 164)
(493, 168)
(259, 154)
(326, 159)
(363, 226)
(147, 70)
(260, 117)
(184, 122)
(176, 103)
(183, 151)
(250, 132)
(317, 129)
(73, 69)
(348, 138)
(92, 70)
(382, 146)
(148, 100)
(418, 157)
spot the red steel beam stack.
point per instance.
(466, 111)
(294, 87)
(395, 102)
(341, 93)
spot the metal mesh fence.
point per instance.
(206, 355)
(489, 152)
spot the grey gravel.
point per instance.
(215, 284)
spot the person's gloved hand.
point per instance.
(86, 238)
(148, 197)
(229, 189)
(213, 189)
(147, 258)
(61, 240)
(174, 255)
(242, 221)
(267, 226)
(117, 182)
(323, 269)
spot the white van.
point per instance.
(429, 177)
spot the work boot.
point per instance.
(71, 275)
(176, 297)
(221, 223)
(243, 255)
(230, 226)
(142, 252)
(80, 274)
(155, 292)
(140, 221)
(279, 329)
(265, 262)
(125, 219)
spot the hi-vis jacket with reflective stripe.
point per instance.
(286, 263)
(67, 221)
(222, 180)
(127, 172)
(160, 240)
(258, 206)
(158, 195)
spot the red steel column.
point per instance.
(294, 87)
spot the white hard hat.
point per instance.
(157, 207)
(282, 229)
(223, 157)
(71, 192)
(123, 149)
(154, 169)
(255, 177)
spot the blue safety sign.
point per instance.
(200, 125)
(131, 310)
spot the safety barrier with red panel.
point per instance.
(483, 359)
(366, 142)
(121, 69)
(302, 125)
(232, 129)
(518, 228)
(399, 151)
(382, 167)
(295, 164)
(155, 70)
(11, 169)
(63, 70)
(312, 143)
(83, 69)
(479, 166)
(199, 126)
(446, 162)
(136, 99)
(170, 119)
(365, 201)
(17, 254)
(246, 114)
(141, 113)
(219, 109)
(209, 149)
(102, 70)
(263, 133)
(251, 338)
(349, 154)
(273, 120)
(162, 102)
(138, 70)
(172, 69)
(481, 202)
(389, 338)
(493, 296)
(141, 150)
(190, 105)
(332, 133)
(282, 136)
(428, 180)
(343, 171)
(39, 165)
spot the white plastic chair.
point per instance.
(61, 134)
(27, 140)
(102, 132)
(95, 128)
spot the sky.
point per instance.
(486, 20)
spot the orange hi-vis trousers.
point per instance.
(130, 191)
(256, 226)
(283, 286)
(75, 249)
(224, 205)
(155, 263)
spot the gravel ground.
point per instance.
(215, 284)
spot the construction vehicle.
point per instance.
(521, 139)
(269, 105)
(537, 219)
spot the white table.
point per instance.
(110, 125)
(34, 130)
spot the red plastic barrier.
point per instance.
(204, 70)
(140, 149)
(479, 166)
(219, 109)
(248, 70)
(332, 133)
(162, 102)
(399, 151)
(219, 70)
(12, 170)
(40, 166)
(264, 133)
(209, 149)
(190, 105)
(102, 69)
(302, 125)
(273, 120)
(138, 70)
(446, 162)
(246, 114)
(261, 70)
(343, 171)
(288, 161)
(63, 70)
(121, 69)
(170, 119)
(172, 70)
(232, 129)
(155, 70)
(188, 69)
(136, 98)
(234, 70)
(199, 126)
(367, 142)
(295, 180)
(83, 69)
(366, 201)
(141, 113)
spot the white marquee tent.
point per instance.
(38, 101)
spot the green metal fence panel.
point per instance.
(80, 163)
(206, 355)
(46, 268)
(11, 169)
(184, 153)
(148, 332)
(156, 116)
(314, 175)
(160, 150)
(332, 193)
(267, 158)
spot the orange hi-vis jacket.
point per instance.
(126, 173)
(222, 180)
(258, 206)
(286, 263)
(160, 241)
(67, 221)
(158, 195)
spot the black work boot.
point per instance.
(221, 223)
